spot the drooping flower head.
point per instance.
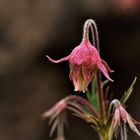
(121, 117)
(84, 62)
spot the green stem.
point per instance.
(106, 132)
(104, 138)
(104, 135)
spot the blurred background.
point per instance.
(30, 84)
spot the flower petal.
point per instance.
(116, 118)
(106, 65)
(58, 61)
(79, 83)
(123, 114)
(102, 67)
(132, 125)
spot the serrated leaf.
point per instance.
(128, 92)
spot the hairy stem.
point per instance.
(91, 24)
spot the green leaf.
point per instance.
(93, 87)
(128, 92)
(92, 96)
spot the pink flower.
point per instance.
(84, 63)
(121, 114)
(116, 118)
